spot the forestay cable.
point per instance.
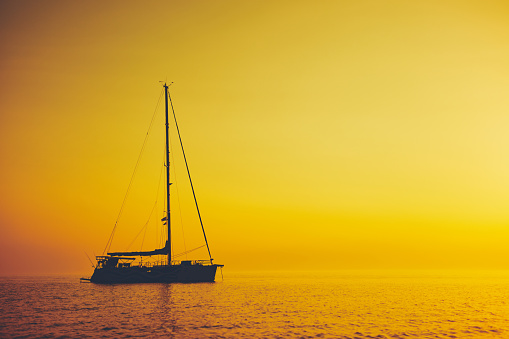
(110, 240)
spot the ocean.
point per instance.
(262, 305)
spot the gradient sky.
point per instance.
(320, 134)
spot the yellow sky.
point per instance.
(320, 135)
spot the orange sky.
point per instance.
(320, 135)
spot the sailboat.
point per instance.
(121, 267)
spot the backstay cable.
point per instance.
(190, 181)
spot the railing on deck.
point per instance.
(116, 262)
(173, 262)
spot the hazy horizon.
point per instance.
(326, 135)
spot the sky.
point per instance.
(320, 135)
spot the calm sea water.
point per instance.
(261, 305)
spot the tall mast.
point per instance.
(168, 220)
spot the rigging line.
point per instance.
(161, 234)
(144, 227)
(89, 259)
(190, 181)
(150, 215)
(137, 235)
(194, 249)
(110, 240)
(143, 239)
(153, 208)
(178, 200)
(160, 241)
(158, 235)
(168, 215)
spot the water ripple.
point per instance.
(260, 305)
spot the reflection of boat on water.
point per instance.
(120, 267)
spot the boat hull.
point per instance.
(155, 274)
